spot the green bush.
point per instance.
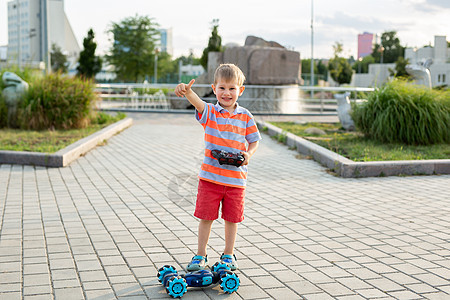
(405, 113)
(57, 102)
(101, 118)
(3, 111)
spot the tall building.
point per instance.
(365, 44)
(166, 40)
(34, 26)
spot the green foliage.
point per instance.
(322, 70)
(133, 50)
(58, 60)
(89, 64)
(339, 67)
(282, 137)
(306, 66)
(102, 118)
(166, 66)
(189, 60)
(340, 70)
(26, 74)
(151, 91)
(400, 68)
(356, 147)
(57, 102)
(214, 44)
(3, 111)
(363, 65)
(389, 49)
(405, 113)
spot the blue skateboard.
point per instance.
(176, 284)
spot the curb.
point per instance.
(349, 169)
(67, 155)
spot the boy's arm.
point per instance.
(250, 151)
(185, 90)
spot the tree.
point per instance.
(319, 68)
(322, 70)
(306, 66)
(89, 64)
(339, 67)
(214, 44)
(58, 60)
(363, 65)
(166, 67)
(190, 60)
(133, 50)
(389, 50)
(400, 68)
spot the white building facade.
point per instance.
(440, 56)
(33, 27)
(439, 69)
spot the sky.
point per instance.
(287, 22)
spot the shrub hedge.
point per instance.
(55, 101)
(406, 113)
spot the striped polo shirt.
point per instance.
(230, 132)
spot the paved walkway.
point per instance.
(101, 227)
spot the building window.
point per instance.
(443, 78)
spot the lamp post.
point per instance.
(381, 49)
(359, 65)
(155, 80)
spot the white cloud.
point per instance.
(284, 21)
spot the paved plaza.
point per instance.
(101, 227)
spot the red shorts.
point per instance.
(209, 197)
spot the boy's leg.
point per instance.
(200, 261)
(230, 237)
(228, 257)
(204, 231)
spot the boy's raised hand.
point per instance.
(182, 89)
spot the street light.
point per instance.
(381, 50)
(156, 66)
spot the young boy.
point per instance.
(228, 127)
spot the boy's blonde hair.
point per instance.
(229, 72)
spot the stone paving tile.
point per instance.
(101, 227)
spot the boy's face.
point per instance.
(227, 93)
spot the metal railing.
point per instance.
(259, 99)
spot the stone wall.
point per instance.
(263, 63)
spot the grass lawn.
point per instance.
(356, 147)
(49, 141)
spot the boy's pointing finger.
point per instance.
(191, 83)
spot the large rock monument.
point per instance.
(263, 63)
